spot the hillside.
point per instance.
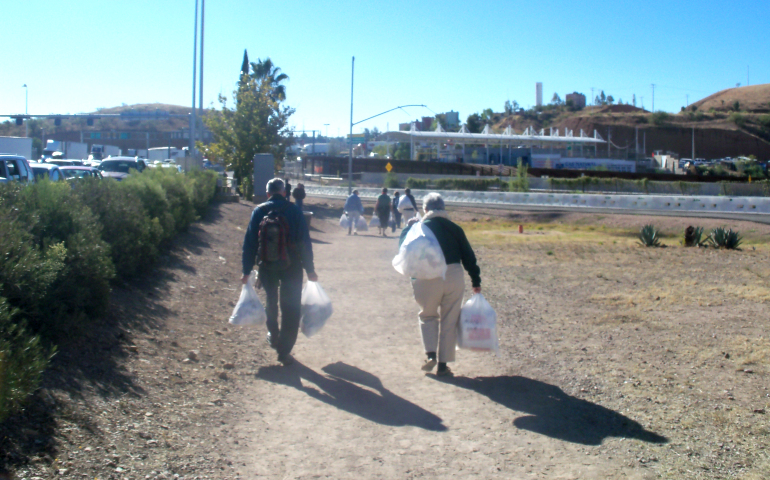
(753, 99)
(718, 132)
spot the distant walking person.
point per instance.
(288, 188)
(440, 299)
(354, 210)
(396, 213)
(407, 205)
(278, 241)
(299, 195)
(382, 209)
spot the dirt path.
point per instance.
(356, 404)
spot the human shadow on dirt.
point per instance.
(553, 413)
(342, 387)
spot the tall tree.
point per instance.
(257, 124)
(473, 123)
(265, 70)
(244, 64)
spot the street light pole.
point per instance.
(26, 110)
(327, 131)
(350, 137)
(195, 64)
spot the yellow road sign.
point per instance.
(388, 167)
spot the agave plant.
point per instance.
(649, 236)
(693, 236)
(725, 238)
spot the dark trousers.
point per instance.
(397, 218)
(290, 284)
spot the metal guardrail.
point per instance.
(661, 203)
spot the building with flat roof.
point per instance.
(578, 100)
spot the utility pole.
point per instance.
(609, 141)
(653, 98)
(636, 144)
(200, 96)
(592, 97)
(195, 63)
(687, 99)
(693, 145)
(350, 138)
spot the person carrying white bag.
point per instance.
(439, 297)
(278, 241)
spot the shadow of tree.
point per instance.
(342, 388)
(553, 413)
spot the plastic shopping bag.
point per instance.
(478, 325)
(316, 309)
(361, 224)
(420, 256)
(249, 310)
(392, 221)
(375, 221)
(344, 221)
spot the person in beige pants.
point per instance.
(440, 299)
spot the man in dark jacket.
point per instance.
(287, 277)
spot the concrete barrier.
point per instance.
(662, 203)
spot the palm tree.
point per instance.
(266, 71)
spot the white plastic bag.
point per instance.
(392, 221)
(361, 224)
(249, 310)
(420, 256)
(478, 325)
(375, 221)
(316, 309)
(344, 221)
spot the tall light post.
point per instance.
(327, 131)
(26, 109)
(195, 64)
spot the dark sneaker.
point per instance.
(428, 365)
(285, 360)
(444, 372)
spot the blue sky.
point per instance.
(465, 56)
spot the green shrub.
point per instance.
(22, 361)
(133, 236)
(204, 187)
(27, 273)
(417, 183)
(391, 180)
(725, 238)
(150, 192)
(659, 118)
(179, 194)
(81, 289)
(649, 236)
(738, 118)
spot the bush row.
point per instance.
(474, 184)
(61, 245)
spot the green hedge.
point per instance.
(62, 244)
(515, 184)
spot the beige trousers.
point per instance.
(408, 214)
(440, 302)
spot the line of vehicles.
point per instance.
(17, 168)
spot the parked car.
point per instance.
(47, 171)
(15, 167)
(120, 167)
(64, 162)
(73, 173)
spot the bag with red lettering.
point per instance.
(478, 325)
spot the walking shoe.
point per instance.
(428, 365)
(273, 343)
(444, 372)
(286, 360)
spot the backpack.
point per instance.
(273, 253)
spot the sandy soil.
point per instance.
(616, 361)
